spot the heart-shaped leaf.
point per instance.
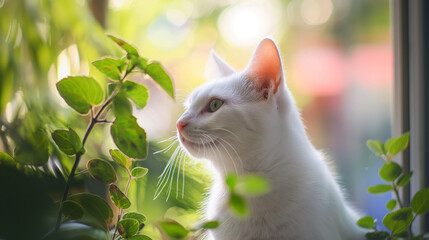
(95, 207)
(398, 220)
(102, 171)
(366, 222)
(110, 67)
(80, 92)
(139, 172)
(68, 141)
(128, 227)
(138, 93)
(120, 158)
(72, 210)
(158, 74)
(381, 188)
(173, 229)
(118, 197)
(129, 137)
(124, 45)
(420, 202)
(390, 171)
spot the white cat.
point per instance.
(247, 122)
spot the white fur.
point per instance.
(253, 134)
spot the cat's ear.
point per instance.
(217, 67)
(265, 67)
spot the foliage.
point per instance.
(397, 221)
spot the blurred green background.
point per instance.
(337, 58)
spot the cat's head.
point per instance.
(238, 114)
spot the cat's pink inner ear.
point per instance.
(265, 67)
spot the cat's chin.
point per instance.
(197, 149)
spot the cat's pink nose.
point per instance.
(181, 125)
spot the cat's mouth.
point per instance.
(196, 144)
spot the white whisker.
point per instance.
(167, 148)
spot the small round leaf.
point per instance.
(366, 222)
(173, 229)
(420, 202)
(135, 215)
(139, 172)
(72, 210)
(129, 137)
(118, 197)
(210, 225)
(404, 179)
(390, 205)
(376, 147)
(110, 67)
(120, 158)
(102, 170)
(139, 237)
(398, 220)
(94, 206)
(128, 227)
(80, 92)
(68, 141)
(390, 171)
(381, 188)
(138, 93)
(397, 145)
(238, 205)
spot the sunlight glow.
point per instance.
(316, 12)
(68, 62)
(246, 23)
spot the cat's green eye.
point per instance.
(214, 105)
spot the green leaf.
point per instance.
(68, 141)
(124, 45)
(158, 74)
(231, 181)
(390, 171)
(139, 237)
(6, 159)
(102, 171)
(379, 235)
(72, 210)
(381, 188)
(210, 225)
(129, 137)
(120, 158)
(397, 145)
(95, 207)
(110, 67)
(238, 205)
(252, 185)
(404, 179)
(398, 220)
(136, 92)
(420, 202)
(122, 107)
(366, 222)
(139, 172)
(128, 227)
(118, 197)
(390, 205)
(376, 147)
(135, 215)
(80, 92)
(173, 229)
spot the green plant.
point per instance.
(397, 221)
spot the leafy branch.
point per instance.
(398, 221)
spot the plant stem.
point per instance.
(395, 190)
(94, 120)
(130, 177)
